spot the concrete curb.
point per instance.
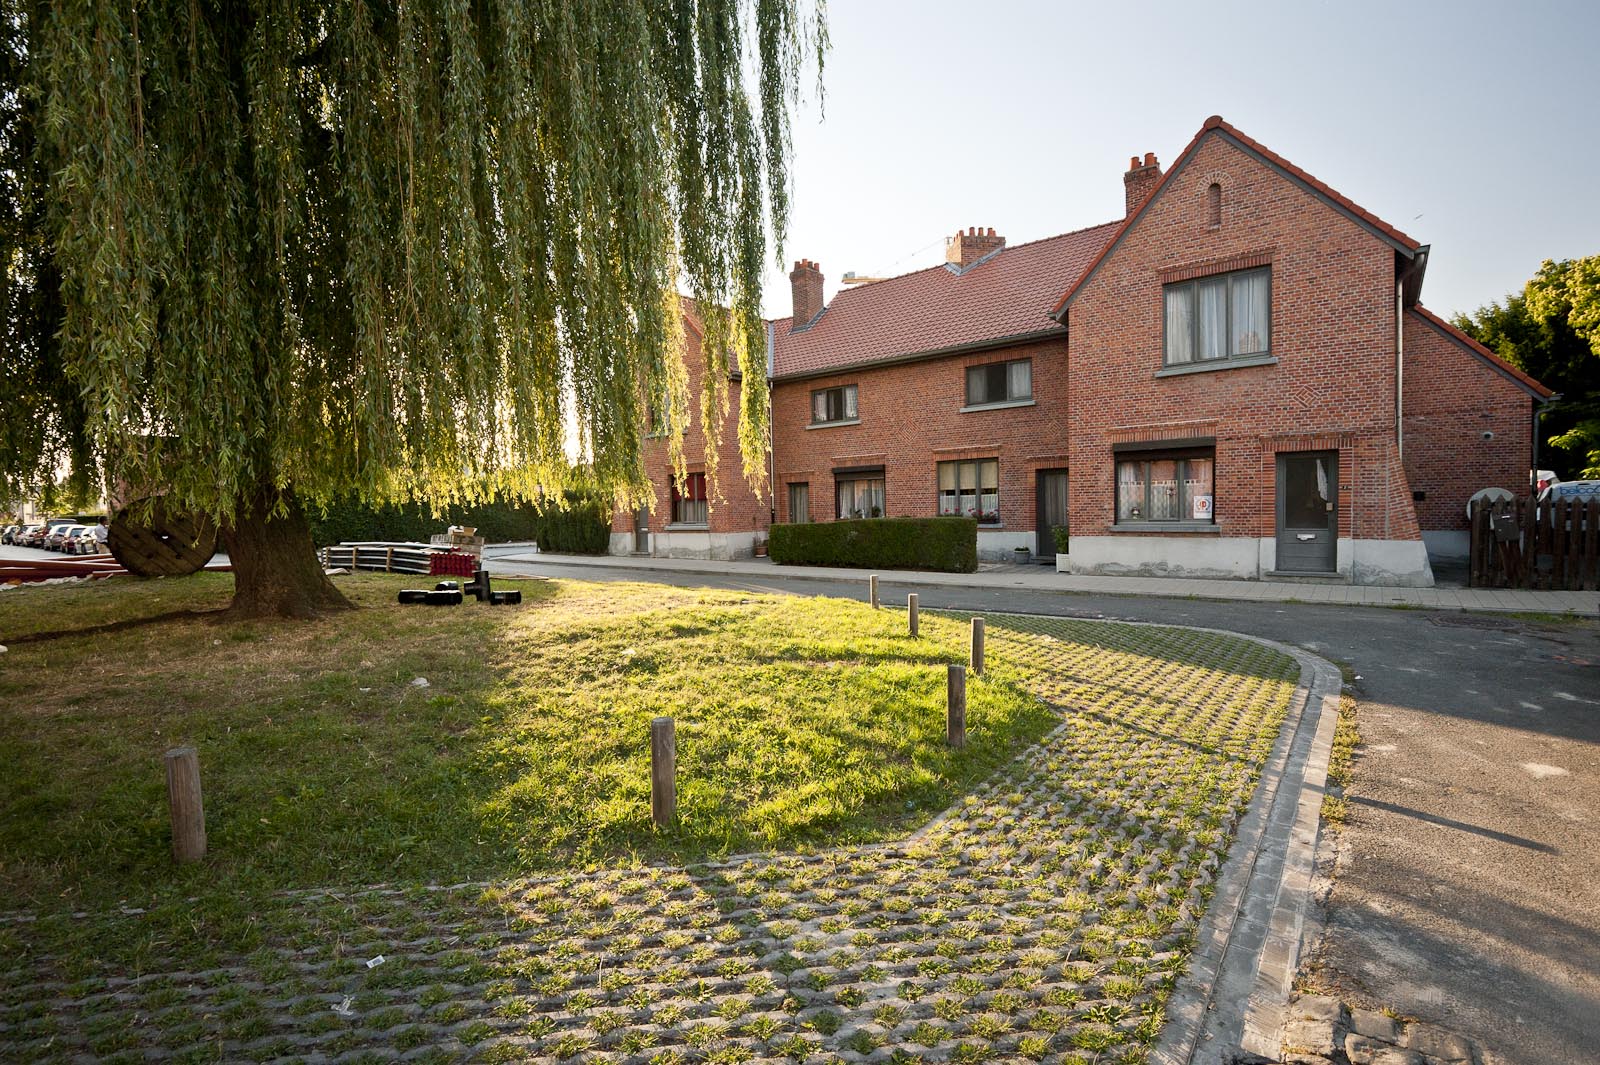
(1494, 600)
(1236, 992)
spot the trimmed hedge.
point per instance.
(947, 544)
(577, 524)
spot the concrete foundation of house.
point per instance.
(1448, 543)
(690, 543)
(1386, 562)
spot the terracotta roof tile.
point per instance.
(1484, 353)
(936, 309)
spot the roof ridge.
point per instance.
(988, 258)
(1216, 123)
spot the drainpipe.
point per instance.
(1540, 406)
(1400, 370)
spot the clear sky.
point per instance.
(1474, 127)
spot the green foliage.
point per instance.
(577, 524)
(1058, 533)
(1551, 329)
(948, 544)
(334, 249)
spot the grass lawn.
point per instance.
(1051, 912)
(324, 761)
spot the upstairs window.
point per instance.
(970, 490)
(1000, 382)
(831, 405)
(689, 503)
(1223, 317)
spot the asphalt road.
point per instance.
(1468, 891)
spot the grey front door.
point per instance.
(1308, 511)
(1052, 510)
(641, 531)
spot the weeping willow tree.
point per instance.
(260, 254)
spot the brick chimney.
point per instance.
(806, 284)
(1141, 180)
(964, 249)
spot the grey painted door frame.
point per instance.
(641, 531)
(1050, 498)
(1308, 511)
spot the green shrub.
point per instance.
(948, 544)
(1059, 534)
(575, 524)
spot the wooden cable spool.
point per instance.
(166, 543)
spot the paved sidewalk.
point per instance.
(1040, 578)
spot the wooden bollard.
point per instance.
(911, 613)
(663, 771)
(955, 712)
(183, 799)
(872, 590)
(977, 647)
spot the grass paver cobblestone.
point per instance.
(1046, 916)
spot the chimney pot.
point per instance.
(1133, 162)
(805, 285)
(964, 249)
(1140, 181)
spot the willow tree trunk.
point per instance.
(275, 568)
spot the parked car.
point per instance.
(40, 537)
(1581, 491)
(79, 540)
(8, 532)
(57, 539)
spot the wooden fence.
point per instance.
(387, 557)
(1522, 543)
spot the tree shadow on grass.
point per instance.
(325, 763)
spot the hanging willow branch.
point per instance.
(383, 248)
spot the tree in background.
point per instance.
(262, 254)
(1551, 329)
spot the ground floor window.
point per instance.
(799, 503)
(970, 489)
(1167, 487)
(860, 495)
(689, 504)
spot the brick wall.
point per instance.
(1452, 398)
(734, 505)
(1332, 332)
(910, 420)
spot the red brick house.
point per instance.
(1235, 379)
(700, 519)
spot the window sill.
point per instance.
(688, 527)
(1007, 405)
(1212, 365)
(834, 425)
(1184, 527)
